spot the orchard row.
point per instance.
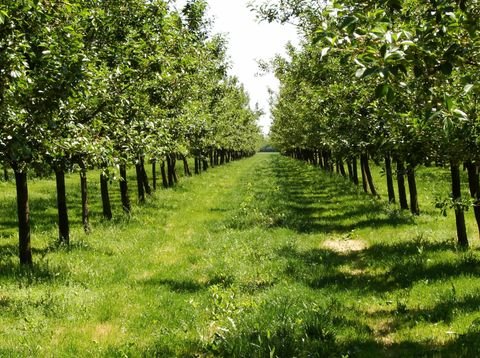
(105, 84)
(394, 81)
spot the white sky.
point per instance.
(249, 41)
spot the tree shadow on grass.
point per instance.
(399, 266)
(39, 273)
(308, 200)
(189, 285)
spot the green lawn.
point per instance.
(262, 257)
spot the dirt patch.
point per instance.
(345, 246)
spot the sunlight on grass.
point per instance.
(263, 257)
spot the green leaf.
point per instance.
(360, 72)
(324, 52)
(382, 90)
(348, 21)
(435, 115)
(390, 94)
(467, 88)
(460, 114)
(447, 125)
(448, 101)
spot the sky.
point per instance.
(249, 41)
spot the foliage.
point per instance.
(381, 78)
(88, 84)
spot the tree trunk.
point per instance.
(368, 174)
(474, 189)
(320, 159)
(146, 184)
(402, 193)
(364, 175)
(326, 163)
(164, 174)
(63, 225)
(350, 169)
(355, 171)
(412, 188)
(127, 208)
(169, 171)
(107, 208)
(457, 198)
(197, 167)
(186, 168)
(388, 170)
(222, 157)
(5, 173)
(205, 164)
(23, 212)
(172, 176)
(154, 174)
(84, 190)
(140, 189)
(210, 154)
(342, 168)
(174, 171)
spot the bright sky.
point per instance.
(249, 41)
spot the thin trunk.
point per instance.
(84, 190)
(412, 188)
(355, 171)
(169, 171)
(473, 178)
(5, 173)
(205, 165)
(210, 154)
(172, 176)
(350, 169)
(320, 160)
(402, 193)
(140, 189)
(388, 170)
(154, 174)
(107, 207)
(457, 198)
(23, 211)
(63, 225)
(342, 168)
(186, 168)
(164, 174)
(364, 175)
(127, 208)
(146, 184)
(368, 174)
(326, 161)
(222, 157)
(174, 171)
(197, 167)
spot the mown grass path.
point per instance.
(266, 256)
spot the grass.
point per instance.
(263, 257)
